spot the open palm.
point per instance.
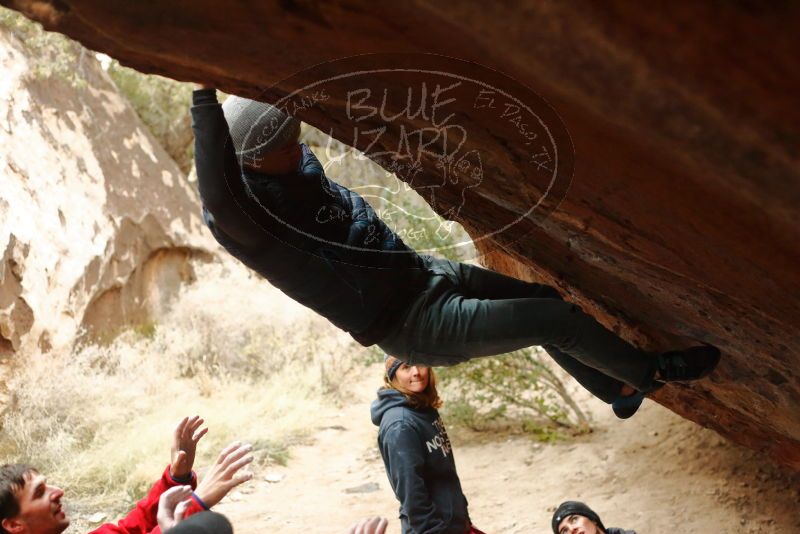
(184, 445)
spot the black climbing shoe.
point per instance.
(625, 407)
(689, 364)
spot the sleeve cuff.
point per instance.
(183, 480)
(204, 96)
(200, 501)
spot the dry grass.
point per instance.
(98, 420)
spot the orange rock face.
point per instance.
(680, 224)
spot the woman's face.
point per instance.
(414, 378)
(578, 524)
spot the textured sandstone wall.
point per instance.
(681, 222)
(97, 224)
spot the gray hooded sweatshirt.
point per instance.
(419, 462)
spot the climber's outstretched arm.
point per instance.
(222, 189)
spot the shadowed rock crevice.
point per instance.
(16, 316)
(144, 294)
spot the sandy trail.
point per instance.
(653, 473)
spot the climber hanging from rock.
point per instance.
(261, 193)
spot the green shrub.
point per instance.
(163, 105)
(51, 55)
(519, 390)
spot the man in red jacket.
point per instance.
(28, 505)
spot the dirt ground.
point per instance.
(654, 473)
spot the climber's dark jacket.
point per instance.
(316, 241)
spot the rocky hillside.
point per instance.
(677, 127)
(97, 224)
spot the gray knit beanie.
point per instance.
(258, 128)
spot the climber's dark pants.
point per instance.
(466, 312)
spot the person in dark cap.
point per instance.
(263, 194)
(575, 517)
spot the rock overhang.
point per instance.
(681, 219)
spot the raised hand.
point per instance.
(223, 475)
(172, 506)
(184, 445)
(370, 525)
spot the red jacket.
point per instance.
(142, 519)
